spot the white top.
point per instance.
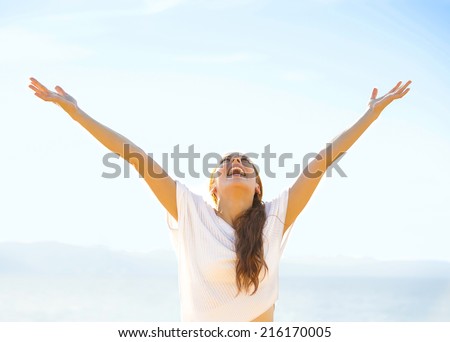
(204, 244)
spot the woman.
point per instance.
(228, 256)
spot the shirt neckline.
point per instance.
(221, 222)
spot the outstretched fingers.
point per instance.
(374, 94)
(42, 95)
(403, 90)
(38, 85)
(396, 87)
(33, 88)
(378, 104)
(40, 90)
(60, 91)
(45, 96)
(404, 93)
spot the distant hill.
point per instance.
(53, 258)
(365, 267)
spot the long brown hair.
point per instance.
(248, 228)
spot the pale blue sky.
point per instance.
(228, 75)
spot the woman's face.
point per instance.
(235, 173)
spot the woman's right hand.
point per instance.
(60, 97)
(162, 185)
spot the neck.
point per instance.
(230, 209)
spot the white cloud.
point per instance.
(328, 2)
(156, 6)
(298, 75)
(224, 4)
(20, 45)
(146, 7)
(218, 59)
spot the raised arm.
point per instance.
(158, 180)
(305, 185)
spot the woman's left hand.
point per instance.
(377, 105)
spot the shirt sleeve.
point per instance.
(276, 210)
(181, 198)
(187, 206)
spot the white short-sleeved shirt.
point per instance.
(205, 248)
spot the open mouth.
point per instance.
(236, 171)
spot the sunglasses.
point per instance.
(245, 161)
